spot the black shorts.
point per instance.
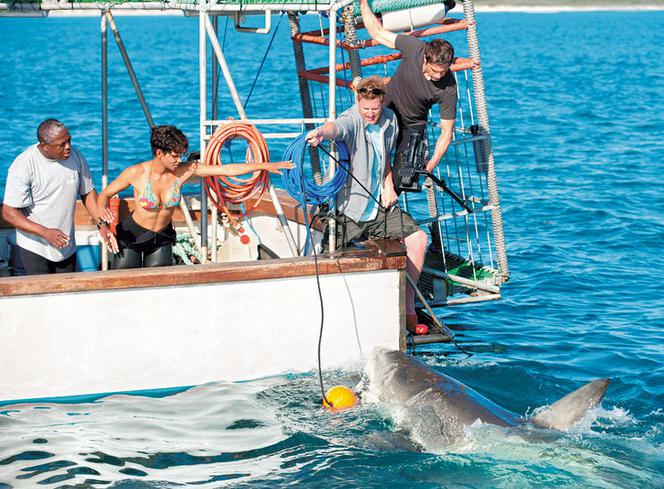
(35, 264)
(391, 224)
(141, 247)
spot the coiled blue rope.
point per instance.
(306, 191)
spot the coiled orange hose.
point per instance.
(235, 190)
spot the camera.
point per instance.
(412, 163)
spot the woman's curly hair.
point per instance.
(169, 139)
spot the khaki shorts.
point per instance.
(393, 224)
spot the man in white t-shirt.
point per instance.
(43, 184)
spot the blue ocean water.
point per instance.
(575, 105)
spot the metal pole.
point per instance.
(202, 83)
(104, 124)
(426, 305)
(243, 115)
(190, 223)
(282, 220)
(332, 107)
(215, 91)
(487, 149)
(332, 69)
(130, 68)
(215, 75)
(224, 67)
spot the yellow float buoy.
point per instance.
(341, 397)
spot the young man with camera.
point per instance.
(422, 79)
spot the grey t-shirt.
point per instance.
(410, 95)
(46, 190)
(352, 200)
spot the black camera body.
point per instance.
(412, 163)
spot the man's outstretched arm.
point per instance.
(329, 130)
(375, 28)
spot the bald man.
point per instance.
(43, 184)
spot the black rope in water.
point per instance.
(460, 348)
(320, 295)
(322, 312)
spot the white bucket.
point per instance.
(408, 20)
(232, 249)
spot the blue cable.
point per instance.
(306, 191)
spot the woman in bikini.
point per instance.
(146, 237)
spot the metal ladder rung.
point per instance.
(315, 37)
(447, 217)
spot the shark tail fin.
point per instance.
(566, 412)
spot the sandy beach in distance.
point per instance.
(516, 6)
(564, 8)
(552, 7)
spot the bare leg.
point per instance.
(416, 245)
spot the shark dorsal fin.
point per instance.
(566, 412)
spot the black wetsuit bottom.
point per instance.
(141, 247)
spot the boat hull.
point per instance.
(123, 331)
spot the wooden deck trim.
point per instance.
(377, 256)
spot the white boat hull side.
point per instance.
(122, 340)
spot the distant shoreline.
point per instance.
(551, 6)
(541, 9)
(485, 6)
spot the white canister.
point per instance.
(411, 19)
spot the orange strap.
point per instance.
(114, 205)
(235, 190)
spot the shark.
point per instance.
(440, 407)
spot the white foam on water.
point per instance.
(565, 458)
(166, 438)
(467, 362)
